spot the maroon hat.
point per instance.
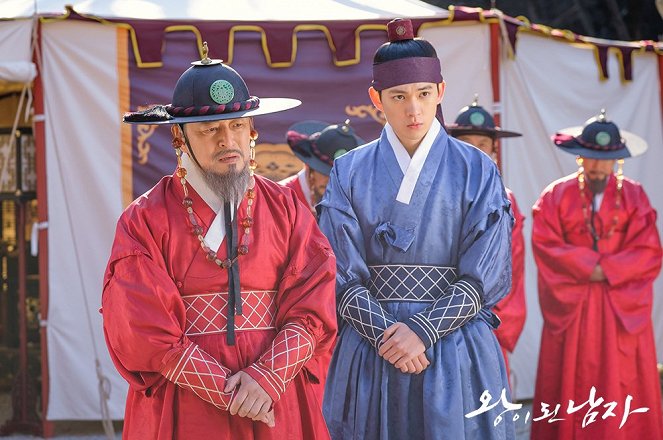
(400, 29)
(405, 70)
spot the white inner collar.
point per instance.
(196, 180)
(598, 199)
(303, 183)
(217, 230)
(411, 166)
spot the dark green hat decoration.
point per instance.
(474, 119)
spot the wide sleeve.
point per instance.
(144, 322)
(558, 262)
(640, 257)
(484, 263)
(631, 271)
(356, 306)
(512, 309)
(563, 268)
(306, 314)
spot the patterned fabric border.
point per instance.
(199, 372)
(207, 313)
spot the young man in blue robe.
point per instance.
(421, 229)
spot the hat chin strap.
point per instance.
(188, 144)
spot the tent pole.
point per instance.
(660, 77)
(495, 81)
(38, 131)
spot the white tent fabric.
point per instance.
(464, 52)
(552, 85)
(15, 54)
(81, 109)
(254, 10)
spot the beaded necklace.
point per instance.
(246, 223)
(584, 197)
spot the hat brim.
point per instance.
(267, 105)
(634, 145)
(497, 132)
(313, 161)
(308, 127)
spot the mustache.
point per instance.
(220, 154)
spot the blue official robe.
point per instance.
(437, 263)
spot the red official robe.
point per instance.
(596, 334)
(164, 309)
(295, 184)
(512, 309)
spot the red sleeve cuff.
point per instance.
(200, 373)
(290, 350)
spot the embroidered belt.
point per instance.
(409, 282)
(208, 313)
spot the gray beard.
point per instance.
(229, 186)
(597, 186)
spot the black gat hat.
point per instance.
(209, 91)
(319, 145)
(474, 119)
(599, 139)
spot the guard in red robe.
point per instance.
(598, 252)
(476, 126)
(512, 310)
(218, 298)
(317, 144)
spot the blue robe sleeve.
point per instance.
(355, 303)
(484, 262)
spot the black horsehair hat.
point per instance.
(318, 144)
(474, 119)
(209, 91)
(599, 139)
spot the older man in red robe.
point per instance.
(218, 299)
(598, 252)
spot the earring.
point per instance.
(581, 173)
(181, 171)
(177, 145)
(253, 137)
(252, 153)
(620, 174)
(178, 153)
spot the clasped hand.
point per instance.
(597, 274)
(402, 348)
(250, 400)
